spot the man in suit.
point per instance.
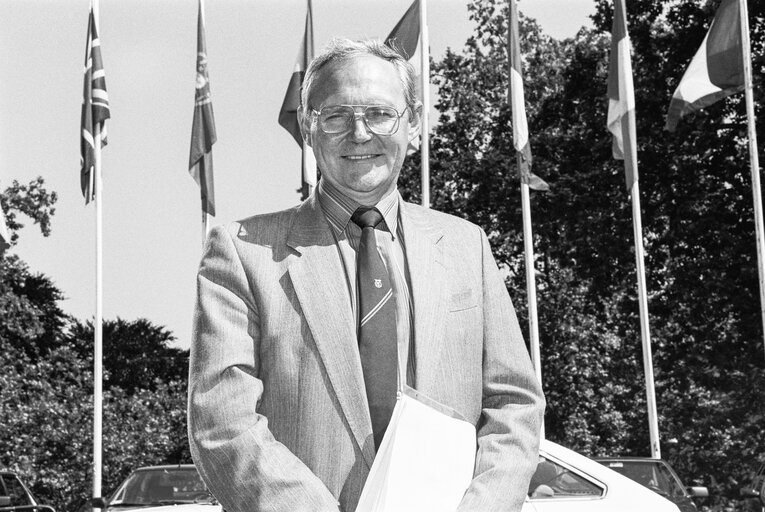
(289, 393)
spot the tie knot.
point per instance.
(366, 217)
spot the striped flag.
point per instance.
(717, 69)
(203, 127)
(95, 109)
(621, 96)
(518, 105)
(405, 36)
(288, 113)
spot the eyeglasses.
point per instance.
(378, 119)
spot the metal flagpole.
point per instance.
(424, 120)
(520, 142)
(645, 333)
(754, 162)
(97, 323)
(531, 289)
(205, 220)
(203, 165)
(309, 167)
(626, 96)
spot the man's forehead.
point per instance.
(367, 73)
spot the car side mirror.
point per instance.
(98, 503)
(747, 492)
(5, 501)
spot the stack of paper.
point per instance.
(425, 461)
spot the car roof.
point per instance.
(630, 458)
(166, 466)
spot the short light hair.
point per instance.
(340, 49)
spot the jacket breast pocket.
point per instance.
(462, 299)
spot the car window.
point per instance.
(551, 480)
(654, 475)
(160, 485)
(16, 491)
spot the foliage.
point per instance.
(33, 200)
(697, 229)
(46, 386)
(46, 409)
(136, 354)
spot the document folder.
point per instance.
(425, 461)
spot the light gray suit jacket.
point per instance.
(278, 417)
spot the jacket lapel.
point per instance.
(427, 275)
(318, 277)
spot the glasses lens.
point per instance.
(382, 120)
(335, 119)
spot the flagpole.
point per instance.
(645, 333)
(309, 168)
(754, 162)
(424, 122)
(203, 165)
(97, 324)
(531, 290)
(205, 221)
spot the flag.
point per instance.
(406, 34)
(717, 69)
(621, 96)
(288, 113)
(5, 238)
(517, 103)
(95, 109)
(404, 38)
(203, 127)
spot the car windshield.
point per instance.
(652, 474)
(161, 486)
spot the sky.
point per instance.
(152, 235)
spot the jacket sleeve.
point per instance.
(513, 405)
(245, 467)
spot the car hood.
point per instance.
(185, 507)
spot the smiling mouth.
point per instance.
(360, 157)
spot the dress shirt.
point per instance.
(338, 210)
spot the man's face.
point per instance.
(362, 165)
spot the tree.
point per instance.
(30, 319)
(697, 229)
(46, 386)
(136, 354)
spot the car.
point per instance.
(566, 481)
(15, 496)
(176, 487)
(756, 489)
(657, 475)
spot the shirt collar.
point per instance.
(338, 208)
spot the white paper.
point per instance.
(425, 461)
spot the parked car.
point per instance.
(566, 481)
(756, 489)
(15, 496)
(178, 487)
(657, 475)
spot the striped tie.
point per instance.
(377, 324)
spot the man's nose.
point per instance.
(359, 130)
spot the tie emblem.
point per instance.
(378, 283)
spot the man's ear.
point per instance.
(305, 125)
(415, 121)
